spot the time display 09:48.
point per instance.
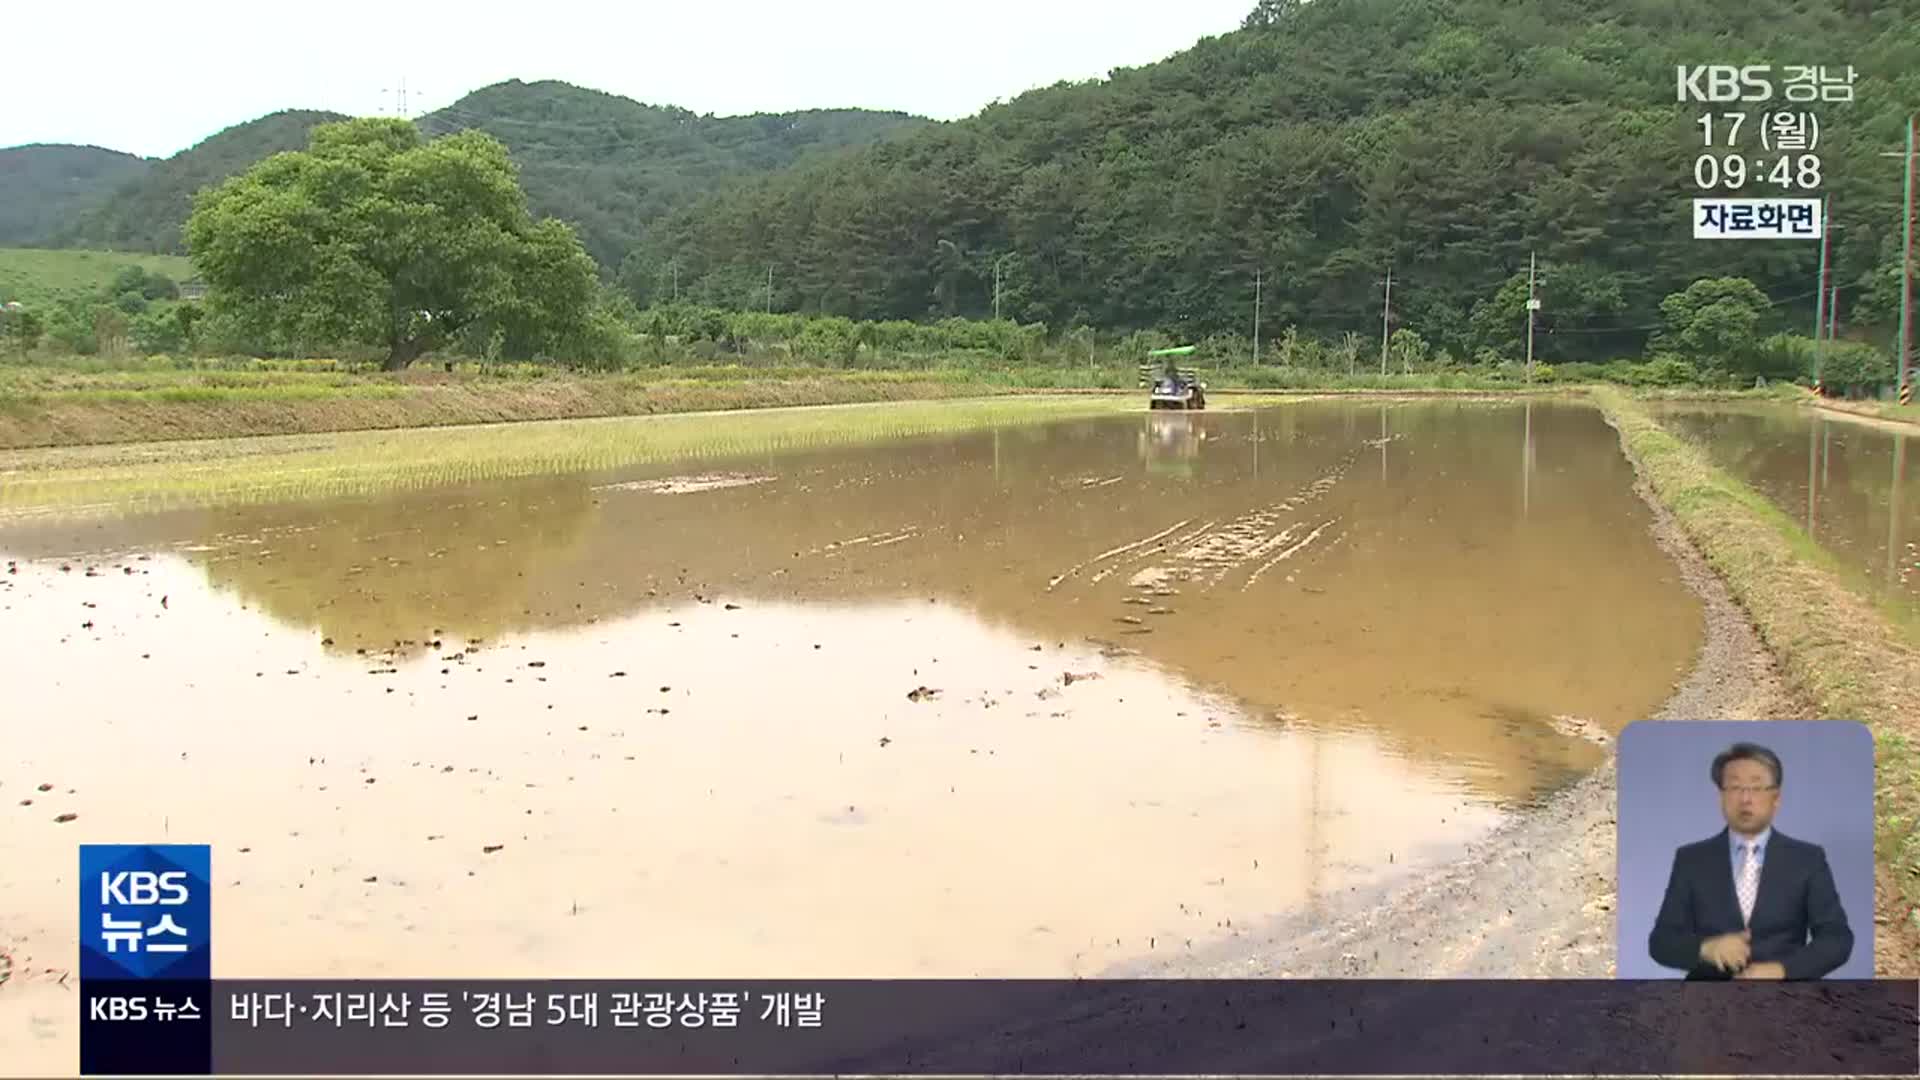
(1737, 171)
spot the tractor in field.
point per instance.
(1173, 386)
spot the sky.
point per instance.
(154, 80)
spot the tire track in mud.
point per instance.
(1253, 543)
(1077, 567)
(871, 540)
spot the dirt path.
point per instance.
(1536, 898)
(1857, 414)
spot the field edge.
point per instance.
(1834, 646)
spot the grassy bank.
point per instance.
(115, 478)
(80, 401)
(136, 407)
(1832, 643)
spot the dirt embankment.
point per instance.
(1884, 417)
(1834, 646)
(84, 418)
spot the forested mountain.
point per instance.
(43, 186)
(146, 214)
(608, 164)
(1319, 145)
(611, 165)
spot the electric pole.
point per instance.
(1533, 305)
(675, 267)
(1256, 317)
(1386, 308)
(399, 98)
(1820, 290)
(1904, 343)
(1906, 279)
(769, 288)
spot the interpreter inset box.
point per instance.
(1745, 850)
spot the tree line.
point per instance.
(1319, 148)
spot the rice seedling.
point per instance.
(114, 479)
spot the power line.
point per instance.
(1662, 325)
(401, 107)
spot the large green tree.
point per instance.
(373, 237)
(1715, 321)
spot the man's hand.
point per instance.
(1765, 969)
(1728, 952)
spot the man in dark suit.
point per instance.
(1750, 902)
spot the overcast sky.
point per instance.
(159, 78)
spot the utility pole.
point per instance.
(399, 98)
(1386, 308)
(1820, 291)
(1256, 317)
(675, 267)
(1906, 279)
(997, 264)
(1905, 344)
(769, 288)
(1533, 305)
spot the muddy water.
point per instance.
(1854, 487)
(1020, 702)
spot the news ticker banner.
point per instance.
(148, 1006)
(1350, 1027)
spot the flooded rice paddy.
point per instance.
(1853, 486)
(1024, 701)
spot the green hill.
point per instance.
(43, 187)
(612, 166)
(38, 278)
(1320, 144)
(147, 213)
(606, 163)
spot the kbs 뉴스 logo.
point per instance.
(145, 911)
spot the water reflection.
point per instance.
(690, 790)
(1526, 466)
(1898, 568)
(1241, 552)
(1170, 442)
(1032, 701)
(1850, 481)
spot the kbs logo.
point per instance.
(144, 887)
(145, 911)
(117, 1008)
(1724, 82)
